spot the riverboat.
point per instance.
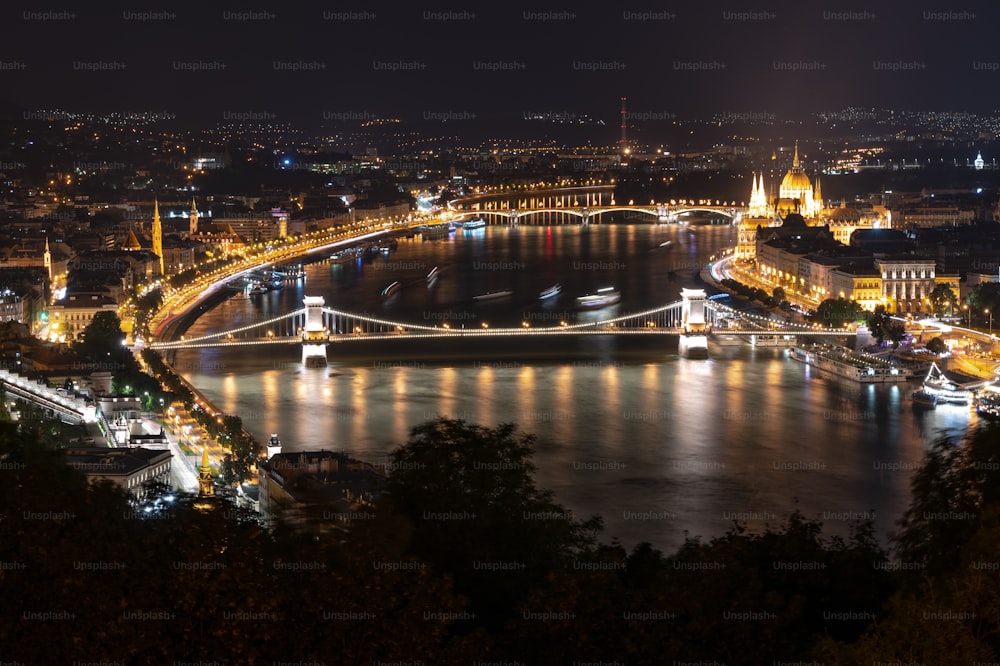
(842, 362)
(952, 388)
(603, 297)
(924, 400)
(551, 292)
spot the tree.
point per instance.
(936, 345)
(837, 312)
(946, 610)
(468, 494)
(103, 334)
(943, 299)
(883, 327)
(984, 296)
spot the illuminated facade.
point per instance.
(158, 235)
(907, 283)
(795, 194)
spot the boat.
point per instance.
(843, 362)
(493, 294)
(552, 291)
(951, 388)
(258, 289)
(434, 231)
(433, 274)
(345, 256)
(603, 297)
(923, 399)
(474, 224)
(390, 290)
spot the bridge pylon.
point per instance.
(315, 336)
(694, 340)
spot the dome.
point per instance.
(795, 181)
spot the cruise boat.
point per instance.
(390, 290)
(843, 362)
(434, 231)
(603, 297)
(258, 289)
(988, 402)
(951, 388)
(493, 294)
(345, 256)
(551, 292)
(474, 224)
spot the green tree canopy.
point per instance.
(943, 299)
(837, 313)
(883, 327)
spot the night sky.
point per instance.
(491, 64)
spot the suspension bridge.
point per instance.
(314, 326)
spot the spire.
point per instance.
(795, 160)
(157, 234)
(47, 258)
(193, 218)
(205, 486)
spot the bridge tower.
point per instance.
(694, 339)
(314, 335)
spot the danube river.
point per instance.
(658, 445)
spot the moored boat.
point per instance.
(924, 400)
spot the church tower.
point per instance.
(758, 199)
(193, 218)
(206, 487)
(158, 235)
(47, 258)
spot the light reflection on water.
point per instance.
(624, 427)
